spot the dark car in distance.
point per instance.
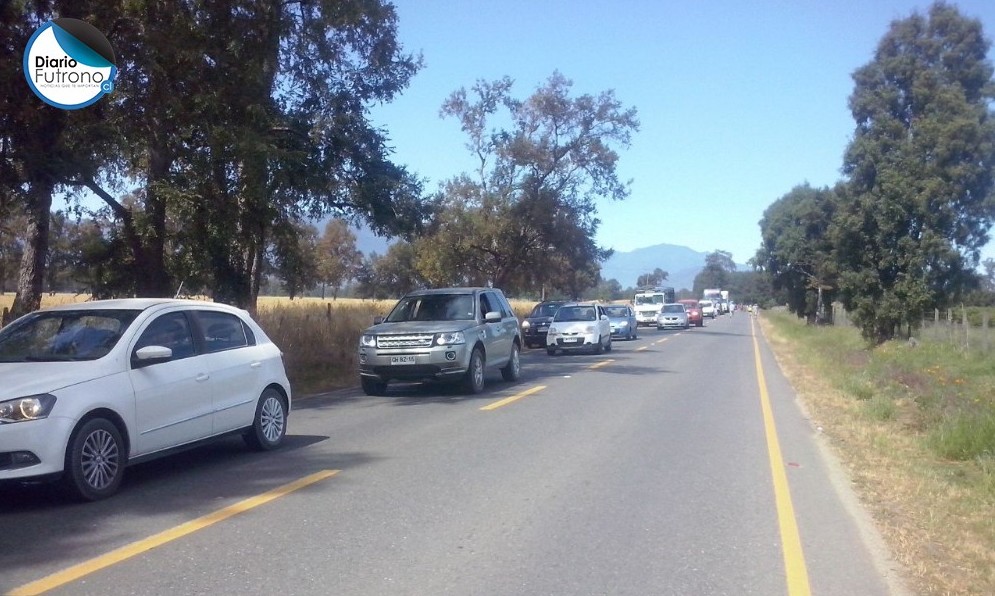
(536, 325)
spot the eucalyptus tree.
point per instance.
(796, 250)
(527, 216)
(919, 203)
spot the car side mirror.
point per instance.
(151, 355)
(377, 320)
(492, 317)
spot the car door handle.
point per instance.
(202, 377)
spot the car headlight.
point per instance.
(368, 341)
(552, 330)
(450, 339)
(22, 409)
(526, 324)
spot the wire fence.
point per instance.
(968, 328)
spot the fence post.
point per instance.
(967, 328)
(985, 339)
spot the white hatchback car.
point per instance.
(579, 326)
(90, 388)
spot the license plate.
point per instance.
(572, 340)
(402, 359)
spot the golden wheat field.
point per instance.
(318, 337)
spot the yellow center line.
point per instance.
(513, 398)
(642, 348)
(602, 363)
(128, 551)
(794, 558)
(660, 341)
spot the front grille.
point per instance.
(420, 340)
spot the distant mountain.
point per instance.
(681, 262)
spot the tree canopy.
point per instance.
(209, 146)
(796, 251)
(919, 199)
(527, 217)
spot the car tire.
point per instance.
(473, 379)
(513, 370)
(608, 348)
(598, 348)
(373, 387)
(95, 460)
(269, 425)
(551, 351)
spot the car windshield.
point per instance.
(433, 307)
(617, 311)
(545, 310)
(673, 308)
(64, 335)
(650, 299)
(575, 313)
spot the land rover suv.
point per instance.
(449, 335)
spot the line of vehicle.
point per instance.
(128, 551)
(791, 544)
(513, 398)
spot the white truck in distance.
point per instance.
(647, 304)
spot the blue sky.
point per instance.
(739, 101)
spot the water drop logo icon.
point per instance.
(69, 64)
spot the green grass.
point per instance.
(915, 424)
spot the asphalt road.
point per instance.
(679, 463)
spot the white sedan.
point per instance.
(579, 326)
(90, 388)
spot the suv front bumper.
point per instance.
(436, 362)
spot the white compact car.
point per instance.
(93, 387)
(579, 326)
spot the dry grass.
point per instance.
(935, 513)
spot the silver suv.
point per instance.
(450, 334)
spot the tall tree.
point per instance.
(295, 256)
(527, 217)
(919, 202)
(716, 273)
(797, 251)
(42, 148)
(337, 257)
(657, 277)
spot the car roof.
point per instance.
(135, 304)
(469, 290)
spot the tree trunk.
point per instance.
(32, 273)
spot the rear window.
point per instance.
(545, 310)
(223, 331)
